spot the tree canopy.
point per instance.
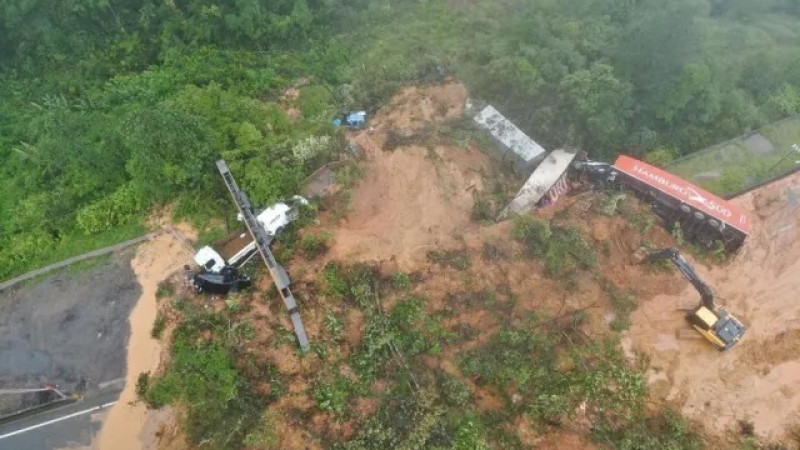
(110, 107)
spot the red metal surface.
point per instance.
(685, 192)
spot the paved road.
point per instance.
(71, 426)
(93, 254)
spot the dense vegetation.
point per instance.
(538, 368)
(109, 107)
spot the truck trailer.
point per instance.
(703, 217)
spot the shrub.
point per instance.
(123, 206)
(401, 281)
(165, 289)
(454, 391)
(660, 156)
(482, 210)
(610, 203)
(334, 326)
(311, 147)
(265, 435)
(142, 384)
(158, 325)
(562, 249)
(567, 251)
(534, 233)
(457, 259)
(332, 395)
(314, 245)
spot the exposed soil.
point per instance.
(416, 197)
(757, 380)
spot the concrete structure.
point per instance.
(736, 166)
(514, 144)
(545, 184)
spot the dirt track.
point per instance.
(757, 380)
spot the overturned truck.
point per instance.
(703, 217)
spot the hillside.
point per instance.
(434, 329)
(111, 110)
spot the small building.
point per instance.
(513, 144)
(544, 186)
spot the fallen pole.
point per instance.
(262, 240)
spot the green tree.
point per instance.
(600, 104)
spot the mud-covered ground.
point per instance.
(71, 325)
(753, 385)
(416, 203)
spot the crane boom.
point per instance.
(262, 241)
(706, 295)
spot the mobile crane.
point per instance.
(714, 323)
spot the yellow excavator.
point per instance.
(714, 323)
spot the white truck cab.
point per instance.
(209, 260)
(273, 219)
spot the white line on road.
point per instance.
(106, 384)
(59, 419)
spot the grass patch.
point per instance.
(222, 408)
(561, 249)
(315, 245)
(48, 251)
(552, 372)
(457, 259)
(158, 325)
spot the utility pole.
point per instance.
(262, 240)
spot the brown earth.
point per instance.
(418, 196)
(414, 198)
(757, 381)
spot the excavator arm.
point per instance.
(715, 324)
(706, 295)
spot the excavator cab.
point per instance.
(718, 327)
(714, 323)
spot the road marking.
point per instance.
(59, 419)
(106, 384)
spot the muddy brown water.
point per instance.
(129, 423)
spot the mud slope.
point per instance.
(415, 197)
(757, 380)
